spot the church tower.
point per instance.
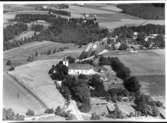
(65, 62)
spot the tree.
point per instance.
(37, 27)
(61, 71)
(8, 62)
(36, 53)
(79, 91)
(70, 59)
(132, 84)
(9, 114)
(123, 46)
(105, 60)
(98, 86)
(116, 113)
(114, 93)
(30, 58)
(49, 111)
(82, 76)
(116, 64)
(146, 105)
(123, 73)
(11, 68)
(49, 52)
(94, 116)
(30, 112)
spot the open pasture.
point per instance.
(146, 62)
(18, 98)
(19, 55)
(36, 83)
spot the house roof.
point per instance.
(80, 66)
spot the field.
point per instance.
(18, 98)
(108, 15)
(19, 55)
(148, 62)
(34, 79)
(154, 82)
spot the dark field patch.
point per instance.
(156, 84)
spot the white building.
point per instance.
(76, 69)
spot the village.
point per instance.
(62, 63)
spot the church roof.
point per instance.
(80, 66)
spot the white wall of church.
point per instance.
(85, 72)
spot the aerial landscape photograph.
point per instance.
(84, 61)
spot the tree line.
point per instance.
(11, 31)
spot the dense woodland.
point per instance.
(61, 30)
(12, 30)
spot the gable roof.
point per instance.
(80, 66)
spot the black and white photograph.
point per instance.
(83, 61)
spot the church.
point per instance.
(76, 68)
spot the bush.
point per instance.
(61, 12)
(49, 111)
(30, 112)
(49, 52)
(8, 62)
(105, 60)
(82, 76)
(94, 116)
(30, 58)
(146, 105)
(123, 46)
(159, 104)
(11, 68)
(115, 114)
(36, 53)
(36, 27)
(9, 114)
(59, 111)
(115, 93)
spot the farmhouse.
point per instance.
(76, 68)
